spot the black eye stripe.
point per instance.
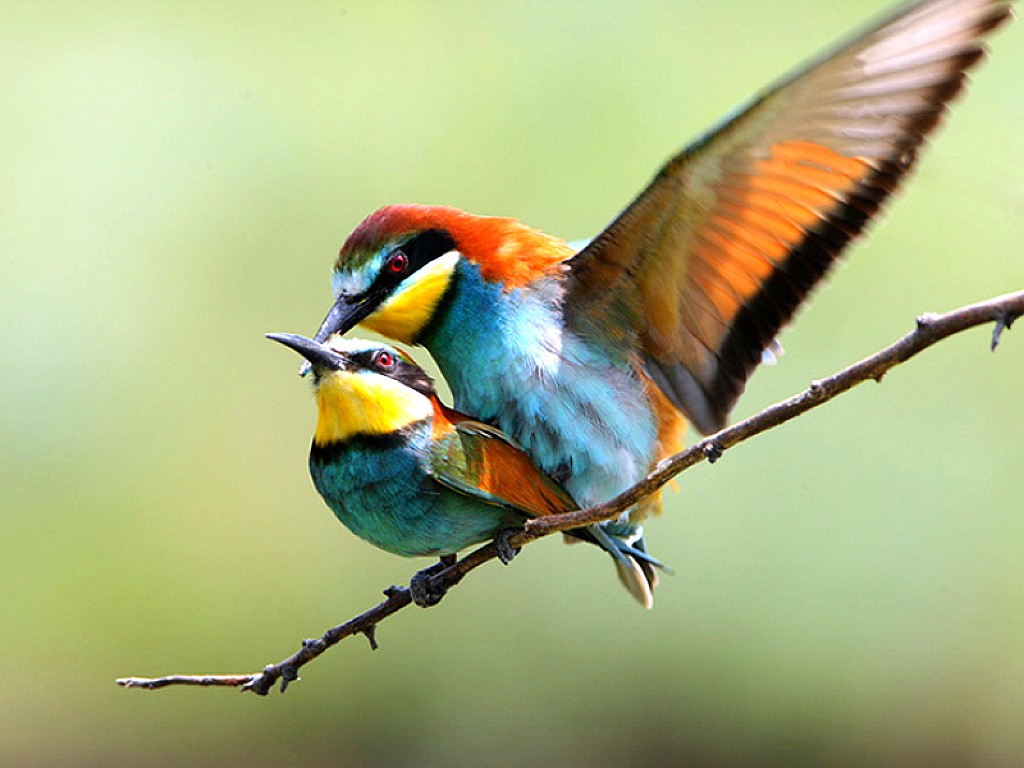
(413, 377)
(363, 359)
(428, 245)
(409, 374)
(420, 250)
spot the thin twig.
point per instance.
(930, 329)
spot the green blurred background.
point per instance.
(176, 180)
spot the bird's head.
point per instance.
(394, 271)
(363, 388)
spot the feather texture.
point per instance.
(476, 459)
(716, 254)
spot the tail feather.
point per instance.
(634, 579)
(635, 567)
(648, 564)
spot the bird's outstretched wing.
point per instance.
(478, 460)
(716, 254)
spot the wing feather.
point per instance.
(717, 253)
(478, 460)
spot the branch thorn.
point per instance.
(1003, 323)
(371, 635)
(289, 674)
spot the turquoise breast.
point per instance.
(378, 488)
(582, 415)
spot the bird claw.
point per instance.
(423, 589)
(502, 542)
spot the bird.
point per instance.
(593, 359)
(416, 478)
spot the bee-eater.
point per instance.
(414, 477)
(592, 360)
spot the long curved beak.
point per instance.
(346, 313)
(320, 358)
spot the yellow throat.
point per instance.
(404, 314)
(350, 404)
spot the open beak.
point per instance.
(318, 357)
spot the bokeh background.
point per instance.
(176, 180)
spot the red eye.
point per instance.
(398, 262)
(385, 361)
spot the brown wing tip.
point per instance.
(755, 326)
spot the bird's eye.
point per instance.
(385, 361)
(398, 262)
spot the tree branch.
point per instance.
(930, 329)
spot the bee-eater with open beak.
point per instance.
(592, 360)
(414, 477)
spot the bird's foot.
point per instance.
(506, 552)
(423, 588)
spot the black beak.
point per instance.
(320, 357)
(346, 313)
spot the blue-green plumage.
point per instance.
(591, 360)
(571, 395)
(575, 406)
(413, 477)
(379, 487)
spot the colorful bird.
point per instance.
(593, 360)
(413, 477)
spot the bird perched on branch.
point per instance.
(593, 360)
(413, 477)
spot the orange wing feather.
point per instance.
(479, 460)
(716, 254)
